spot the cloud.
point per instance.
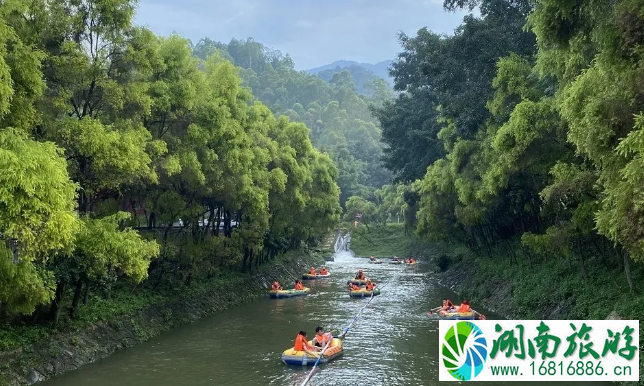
(313, 32)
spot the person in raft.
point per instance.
(395, 258)
(298, 285)
(465, 306)
(411, 260)
(354, 287)
(301, 344)
(370, 286)
(360, 275)
(372, 258)
(448, 305)
(312, 271)
(324, 271)
(321, 338)
(276, 286)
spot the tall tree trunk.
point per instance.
(218, 221)
(86, 294)
(54, 310)
(78, 292)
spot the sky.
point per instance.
(313, 32)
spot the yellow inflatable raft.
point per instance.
(364, 293)
(302, 358)
(289, 293)
(308, 276)
(447, 315)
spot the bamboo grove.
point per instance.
(110, 134)
(525, 126)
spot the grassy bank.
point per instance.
(551, 288)
(387, 241)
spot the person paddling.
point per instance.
(321, 338)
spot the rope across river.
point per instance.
(346, 330)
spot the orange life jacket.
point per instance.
(324, 272)
(300, 343)
(370, 286)
(412, 260)
(311, 272)
(464, 308)
(299, 286)
(320, 339)
(276, 287)
(355, 287)
(360, 276)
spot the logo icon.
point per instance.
(464, 351)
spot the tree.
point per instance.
(37, 216)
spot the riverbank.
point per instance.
(551, 288)
(70, 348)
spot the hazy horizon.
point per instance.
(312, 33)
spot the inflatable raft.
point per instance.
(396, 261)
(308, 276)
(375, 261)
(302, 358)
(289, 293)
(453, 315)
(363, 293)
(357, 282)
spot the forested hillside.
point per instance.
(526, 144)
(380, 69)
(109, 134)
(361, 77)
(340, 120)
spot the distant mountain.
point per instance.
(379, 69)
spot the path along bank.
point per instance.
(70, 350)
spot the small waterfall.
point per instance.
(342, 243)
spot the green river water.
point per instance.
(394, 342)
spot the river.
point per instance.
(394, 342)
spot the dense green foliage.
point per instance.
(388, 241)
(527, 144)
(109, 134)
(340, 119)
(361, 76)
